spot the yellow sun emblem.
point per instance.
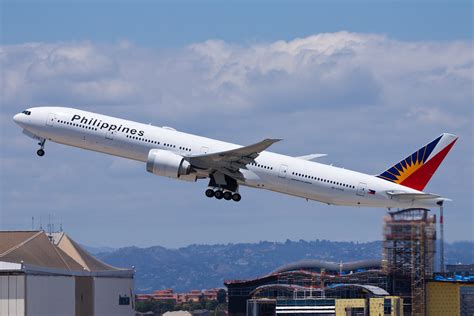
(408, 170)
(407, 167)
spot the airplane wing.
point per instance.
(311, 156)
(404, 196)
(231, 161)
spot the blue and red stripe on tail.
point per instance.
(416, 170)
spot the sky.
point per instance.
(366, 82)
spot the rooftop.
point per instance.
(38, 252)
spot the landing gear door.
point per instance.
(50, 120)
(283, 171)
(362, 189)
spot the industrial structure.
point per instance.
(403, 283)
(312, 282)
(350, 299)
(50, 274)
(408, 255)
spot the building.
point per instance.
(460, 269)
(404, 283)
(191, 296)
(318, 276)
(50, 274)
(169, 295)
(343, 299)
(388, 305)
(449, 297)
(210, 294)
(158, 295)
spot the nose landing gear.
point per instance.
(40, 152)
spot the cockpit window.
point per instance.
(26, 112)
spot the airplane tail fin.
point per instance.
(417, 169)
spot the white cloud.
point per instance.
(327, 70)
(437, 116)
(72, 62)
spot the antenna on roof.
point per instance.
(49, 224)
(32, 223)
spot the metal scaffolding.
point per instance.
(408, 255)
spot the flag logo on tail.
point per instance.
(417, 169)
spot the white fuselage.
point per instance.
(271, 171)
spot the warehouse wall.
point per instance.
(84, 295)
(50, 295)
(107, 293)
(344, 305)
(442, 298)
(12, 295)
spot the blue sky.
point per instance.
(365, 82)
(178, 23)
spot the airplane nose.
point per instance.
(18, 118)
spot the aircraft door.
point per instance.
(283, 171)
(50, 120)
(204, 150)
(362, 189)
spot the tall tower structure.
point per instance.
(408, 255)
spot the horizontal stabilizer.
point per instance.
(311, 156)
(404, 196)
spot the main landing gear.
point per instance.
(40, 152)
(221, 194)
(223, 187)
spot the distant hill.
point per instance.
(207, 266)
(96, 250)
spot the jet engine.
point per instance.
(167, 164)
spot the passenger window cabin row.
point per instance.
(345, 185)
(77, 125)
(260, 166)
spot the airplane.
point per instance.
(177, 155)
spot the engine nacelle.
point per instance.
(167, 164)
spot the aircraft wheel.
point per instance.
(40, 152)
(228, 195)
(219, 194)
(209, 193)
(236, 197)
